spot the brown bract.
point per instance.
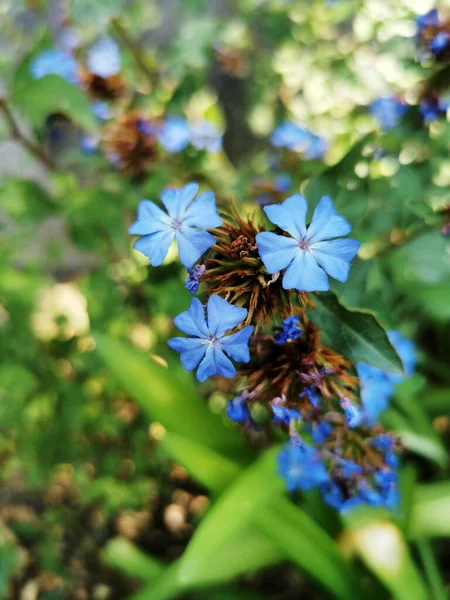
(134, 149)
(235, 271)
(102, 88)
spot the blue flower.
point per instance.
(283, 182)
(184, 223)
(377, 386)
(301, 466)
(103, 58)
(316, 148)
(89, 144)
(440, 42)
(55, 62)
(430, 19)
(290, 330)
(310, 392)
(283, 414)
(207, 347)
(237, 410)
(310, 253)
(353, 413)
(174, 134)
(193, 281)
(321, 432)
(291, 136)
(387, 111)
(100, 110)
(206, 136)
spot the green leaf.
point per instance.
(437, 400)
(384, 550)
(128, 558)
(230, 514)
(52, 94)
(431, 511)
(168, 396)
(305, 543)
(354, 333)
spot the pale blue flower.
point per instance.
(209, 344)
(103, 58)
(301, 466)
(291, 136)
(184, 223)
(175, 134)
(309, 254)
(55, 62)
(206, 136)
(387, 111)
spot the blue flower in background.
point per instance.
(432, 108)
(237, 410)
(291, 136)
(103, 58)
(89, 144)
(209, 344)
(321, 432)
(206, 136)
(193, 281)
(301, 466)
(184, 223)
(100, 110)
(316, 148)
(440, 42)
(283, 182)
(175, 134)
(388, 111)
(55, 62)
(290, 330)
(310, 392)
(377, 386)
(309, 254)
(430, 19)
(353, 413)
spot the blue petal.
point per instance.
(192, 321)
(155, 246)
(325, 223)
(150, 219)
(202, 212)
(215, 363)
(192, 243)
(290, 216)
(176, 201)
(191, 351)
(305, 275)
(335, 256)
(236, 344)
(276, 251)
(103, 58)
(223, 316)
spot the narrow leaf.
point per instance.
(431, 511)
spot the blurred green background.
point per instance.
(108, 460)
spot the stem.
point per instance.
(437, 588)
(16, 134)
(134, 48)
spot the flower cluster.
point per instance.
(299, 139)
(251, 280)
(176, 133)
(433, 36)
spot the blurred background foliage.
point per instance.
(101, 485)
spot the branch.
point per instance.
(16, 134)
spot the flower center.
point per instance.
(211, 340)
(303, 244)
(176, 224)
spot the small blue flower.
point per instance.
(193, 281)
(301, 466)
(206, 349)
(316, 148)
(321, 432)
(349, 468)
(290, 330)
(283, 414)
(291, 136)
(377, 386)
(55, 62)
(430, 19)
(184, 223)
(237, 410)
(100, 110)
(310, 253)
(89, 144)
(440, 42)
(388, 111)
(353, 413)
(174, 134)
(310, 392)
(103, 58)
(283, 182)
(206, 136)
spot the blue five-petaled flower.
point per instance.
(309, 254)
(209, 343)
(184, 223)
